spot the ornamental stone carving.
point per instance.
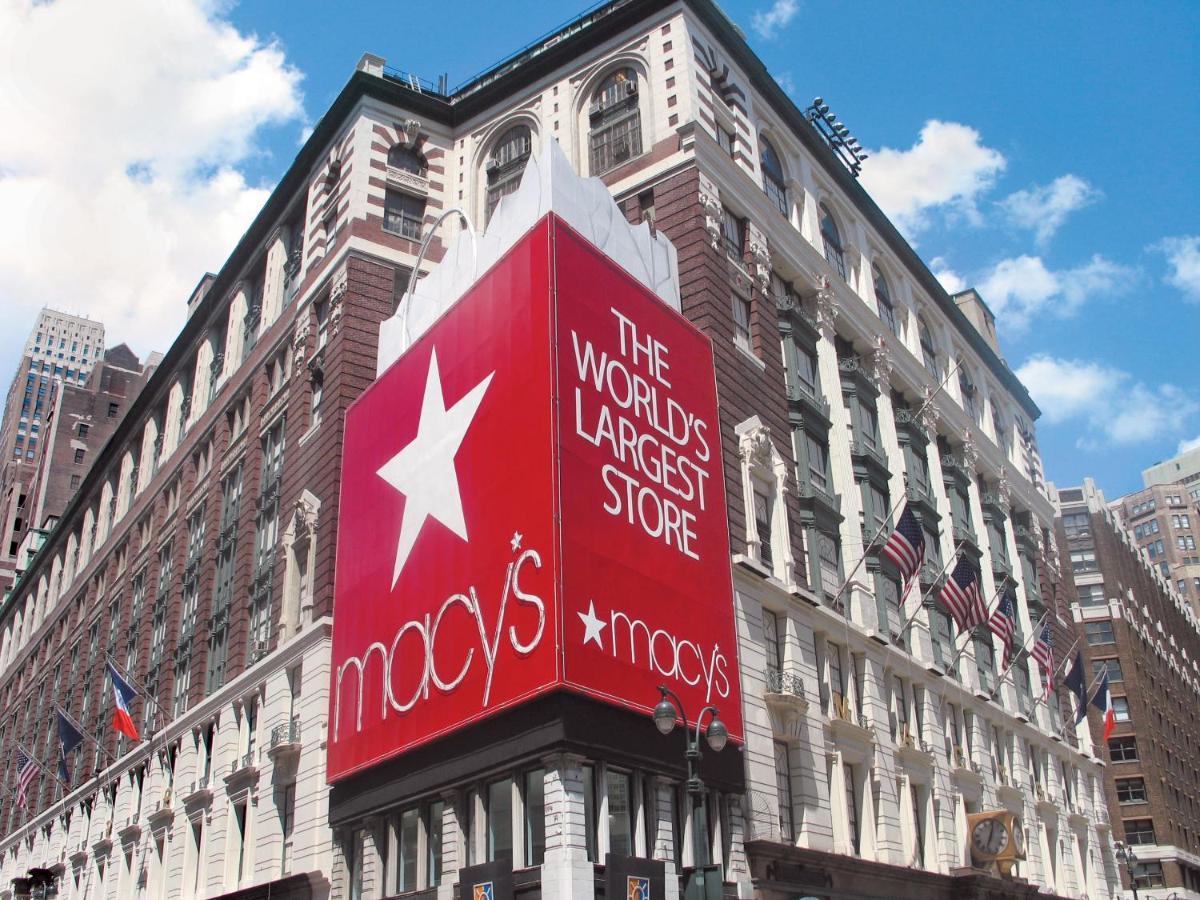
(710, 203)
(881, 360)
(827, 309)
(408, 131)
(970, 451)
(300, 343)
(337, 299)
(929, 412)
(761, 252)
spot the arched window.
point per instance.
(883, 296)
(831, 237)
(615, 122)
(928, 350)
(773, 182)
(1003, 435)
(406, 160)
(505, 165)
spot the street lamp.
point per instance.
(668, 709)
(1129, 858)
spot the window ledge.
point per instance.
(750, 355)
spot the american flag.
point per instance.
(27, 770)
(962, 597)
(906, 546)
(1043, 652)
(1004, 625)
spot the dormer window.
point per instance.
(615, 122)
(505, 165)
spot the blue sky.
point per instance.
(1039, 152)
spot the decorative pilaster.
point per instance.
(710, 204)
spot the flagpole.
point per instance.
(958, 655)
(925, 594)
(85, 733)
(903, 494)
(1016, 657)
(133, 683)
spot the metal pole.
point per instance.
(963, 649)
(903, 495)
(925, 595)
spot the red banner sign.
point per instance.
(558, 389)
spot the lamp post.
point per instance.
(1129, 858)
(669, 708)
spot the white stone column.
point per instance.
(567, 874)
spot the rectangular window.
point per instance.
(837, 681)
(113, 409)
(829, 563)
(772, 649)
(762, 521)
(407, 841)
(818, 462)
(1123, 749)
(1099, 632)
(620, 814)
(741, 322)
(499, 820)
(1139, 831)
(403, 214)
(1084, 561)
(612, 145)
(1149, 875)
(1121, 708)
(783, 787)
(437, 810)
(1115, 675)
(726, 140)
(79, 451)
(1091, 594)
(535, 817)
(733, 231)
(852, 817)
(589, 811)
(1131, 790)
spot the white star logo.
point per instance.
(423, 471)
(593, 626)
(515, 543)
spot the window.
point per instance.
(616, 123)
(83, 431)
(499, 820)
(1115, 676)
(113, 409)
(79, 451)
(726, 140)
(772, 649)
(406, 847)
(852, 826)
(1123, 749)
(817, 460)
(831, 238)
(403, 214)
(1100, 632)
(406, 160)
(741, 322)
(1139, 831)
(783, 787)
(506, 164)
(928, 350)
(1131, 790)
(733, 231)
(620, 814)
(1084, 561)
(763, 503)
(1091, 594)
(970, 395)
(774, 184)
(75, 479)
(883, 297)
(535, 817)
(1121, 708)
(1149, 875)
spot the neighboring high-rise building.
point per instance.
(79, 422)
(61, 349)
(1183, 469)
(1132, 624)
(198, 551)
(1165, 522)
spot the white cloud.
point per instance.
(1192, 444)
(770, 22)
(1109, 405)
(951, 280)
(947, 169)
(1020, 289)
(119, 159)
(1183, 258)
(787, 81)
(1044, 208)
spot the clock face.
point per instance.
(989, 837)
(1018, 836)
